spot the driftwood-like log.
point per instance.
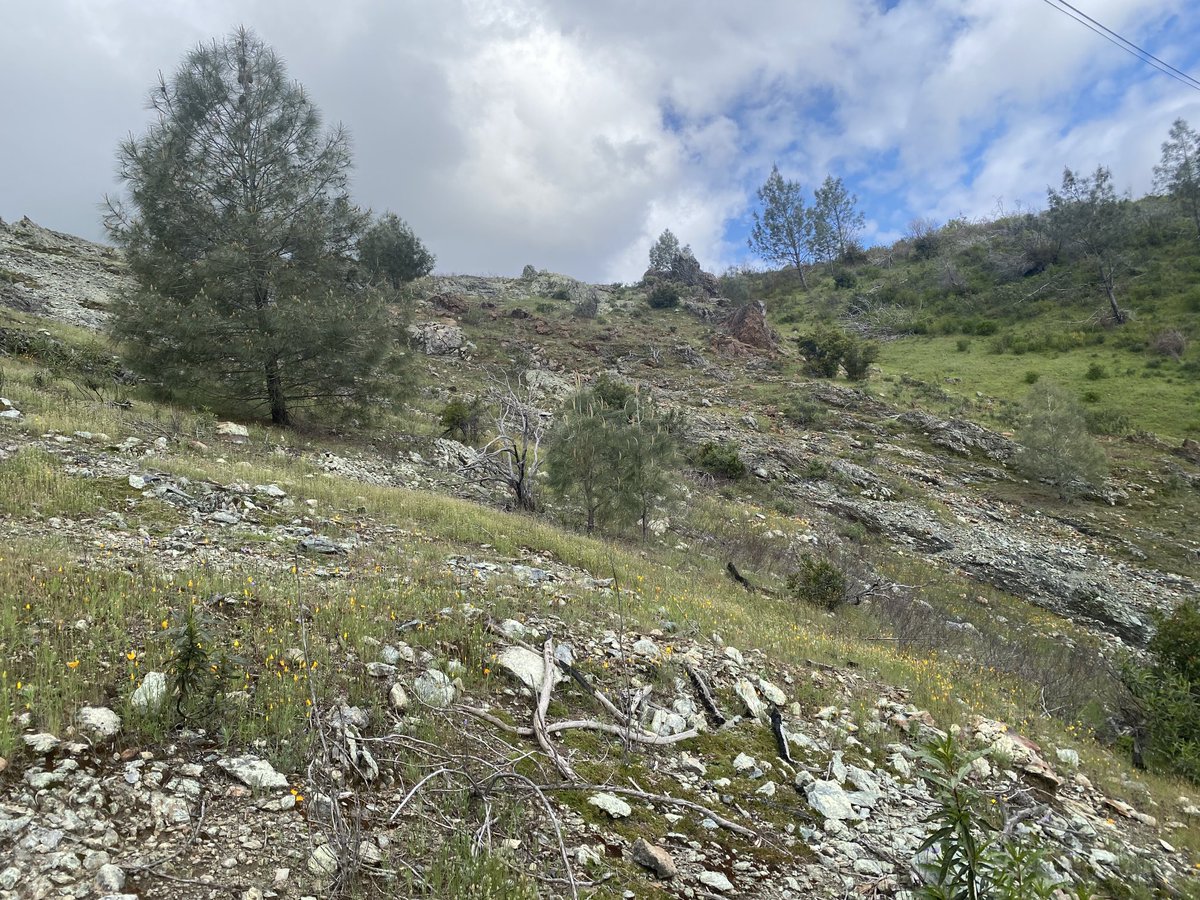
(706, 695)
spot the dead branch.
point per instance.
(657, 798)
(706, 696)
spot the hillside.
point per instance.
(421, 693)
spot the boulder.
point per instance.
(439, 339)
(526, 667)
(611, 804)
(98, 722)
(654, 858)
(434, 688)
(150, 693)
(254, 772)
(233, 433)
(748, 325)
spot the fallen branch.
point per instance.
(539, 715)
(641, 737)
(706, 696)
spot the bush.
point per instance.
(817, 581)
(1031, 377)
(1055, 444)
(1168, 693)
(1095, 372)
(962, 345)
(462, 419)
(858, 358)
(844, 280)
(721, 459)
(804, 412)
(664, 295)
(1169, 342)
(1108, 421)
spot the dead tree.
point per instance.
(513, 457)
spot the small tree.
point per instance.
(513, 458)
(1055, 444)
(837, 222)
(392, 252)
(783, 232)
(240, 234)
(1178, 172)
(664, 251)
(1087, 215)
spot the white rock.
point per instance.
(527, 667)
(434, 688)
(42, 742)
(323, 861)
(828, 798)
(398, 698)
(1068, 757)
(750, 699)
(744, 763)
(232, 432)
(137, 482)
(689, 763)
(513, 630)
(98, 722)
(254, 772)
(150, 693)
(734, 655)
(109, 879)
(767, 790)
(611, 804)
(716, 881)
(772, 693)
(645, 647)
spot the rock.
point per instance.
(744, 763)
(689, 763)
(654, 858)
(149, 696)
(253, 772)
(513, 630)
(42, 742)
(1068, 757)
(398, 698)
(109, 879)
(529, 272)
(828, 798)
(380, 670)
(748, 325)
(323, 861)
(318, 543)
(434, 688)
(233, 433)
(439, 339)
(734, 655)
(716, 880)
(137, 482)
(767, 790)
(611, 804)
(527, 667)
(98, 722)
(645, 647)
(750, 699)
(772, 693)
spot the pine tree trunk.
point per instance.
(279, 410)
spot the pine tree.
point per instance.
(240, 234)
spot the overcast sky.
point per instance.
(569, 133)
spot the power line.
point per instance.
(1118, 41)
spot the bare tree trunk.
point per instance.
(1107, 278)
(279, 410)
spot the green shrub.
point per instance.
(1090, 396)
(804, 412)
(1168, 693)
(858, 358)
(1055, 444)
(1031, 377)
(664, 295)
(817, 581)
(1095, 372)
(962, 345)
(1108, 421)
(844, 280)
(721, 459)
(462, 419)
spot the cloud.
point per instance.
(568, 134)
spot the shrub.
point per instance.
(462, 418)
(817, 581)
(1055, 444)
(1108, 421)
(664, 295)
(858, 358)
(823, 351)
(804, 412)
(1031, 377)
(1095, 372)
(844, 280)
(1168, 693)
(1169, 342)
(962, 345)
(721, 459)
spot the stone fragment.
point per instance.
(42, 742)
(398, 698)
(254, 772)
(513, 630)
(744, 763)
(772, 693)
(110, 879)
(434, 688)
(527, 667)
(323, 861)
(717, 881)
(828, 798)
(750, 699)
(150, 693)
(98, 722)
(611, 804)
(233, 433)
(654, 858)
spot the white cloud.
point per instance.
(569, 133)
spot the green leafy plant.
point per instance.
(973, 857)
(721, 459)
(817, 581)
(463, 419)
(198, 671)
(664, 295)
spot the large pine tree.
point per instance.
(241, 235)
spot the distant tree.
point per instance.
(513, 458)
(1086, 214)
(1055, 444)
(922, 235)
(240, 234)
(837, 222)
(1178, 172)
(392, 252)
(663, 251)
(783, 231)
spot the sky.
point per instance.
(568, 134)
